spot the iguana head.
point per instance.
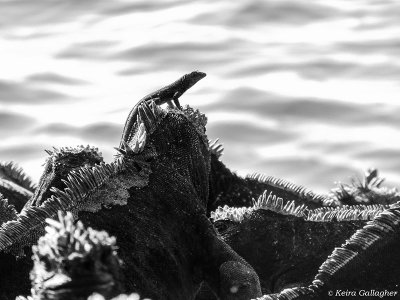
(58, 165)
(72, 262)
(238, 281)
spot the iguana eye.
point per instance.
(222, 225)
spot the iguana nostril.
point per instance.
(234, 289)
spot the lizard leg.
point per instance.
(175, 98)
(170, 105)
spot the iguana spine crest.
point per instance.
(216, 148)
(16, 174)
(302, 191)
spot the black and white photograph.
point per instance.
(199, 150)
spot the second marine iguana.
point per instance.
(367, 265)
(286, 242)
(159, 191)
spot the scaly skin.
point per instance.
(158, 185)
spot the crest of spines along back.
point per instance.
(216, 148)
(269, 201)
(198, 119)
(301, 191)
(81, 182)
(58, 153)
(148, 115)
(345, 213)
(16, 174)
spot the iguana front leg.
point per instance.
(175, 98)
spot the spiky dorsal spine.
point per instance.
(11, 171)
(279, 205)
(58, 153)
(269, 201)
(266, 201)
(7, 211)
(216, 148)
(345, 213)
(235, 214)
(300, 191)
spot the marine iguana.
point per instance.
(366, 265)
(286, 242)
(159, 183)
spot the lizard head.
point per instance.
(71, 261)
(238, 281)
(192, 78)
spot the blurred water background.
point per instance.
(303, 90)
